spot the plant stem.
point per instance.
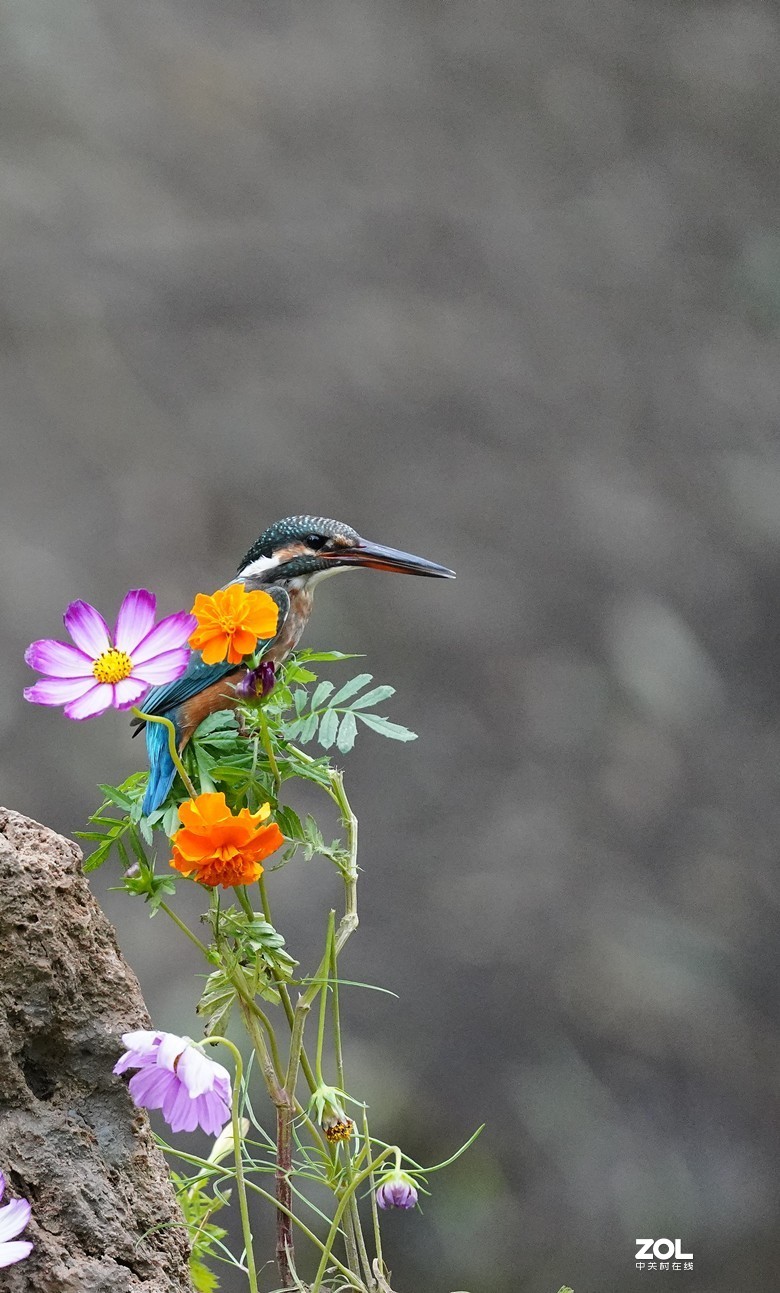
(349, 921)
(324, 1005)
(374, 1206)
(265, 737)
(335, 789)
(284, 1235)
(285, 1108)
(240, 1182)
(340, 1210)
(350, 1243)
(284, 992)
(309, 1235)
(334, 974)
(361, 1243)
(158, 718)
(184, 929)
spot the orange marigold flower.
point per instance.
(230, 621)
(219, 847)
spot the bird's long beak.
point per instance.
(377, 557)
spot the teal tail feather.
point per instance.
(162, 769)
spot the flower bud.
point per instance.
(396, 1190)
(257, 682)
(224, 1144)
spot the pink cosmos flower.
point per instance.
(13, 1219)
(101, 669)
(175, 1076)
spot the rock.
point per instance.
(104, 1217)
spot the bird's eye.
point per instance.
(315, 541)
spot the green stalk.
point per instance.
(374, 1205)
(339, 1058)
(185, 930)
(335, 790)
(246, 1227)
(334, 973)
(324, 1005)
(265, 737)
(158, 718)
(340, 1210)
(361, 1243)
(284, 994)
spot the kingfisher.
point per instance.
(287, 561)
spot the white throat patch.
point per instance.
(257, 568)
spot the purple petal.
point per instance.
(222, 1086)
(149, 1087)
(170, 633)
(198, 1073)
(180, 1111)
(2, 1184)
(128, 691)
(87, 628)
(142, 1047)
(135, 619)
(58, 691)
(163, 668)
(58, 659)
(143, 1040)
(171, 1047)
(93, 702)
(10, 1253)
(213, 1112)
(13, 1218)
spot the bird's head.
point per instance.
(301, 550)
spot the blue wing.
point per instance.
(197, 677)
(168, 698)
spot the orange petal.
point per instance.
(243, 642)
(192, 848)
(178, 862)
(203, 607)
(268, 840)
(217, 650)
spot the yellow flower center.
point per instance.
(112, 666)
(339, 1130)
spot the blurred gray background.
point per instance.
(499, 284)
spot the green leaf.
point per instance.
(171, 821)
(309, 728)
(373, 697)
(98, 857)
(294, 673)
(308, 654)
(350, 688)
(386, 728)
(328, 728)
(293, 730)
(347, 732)
(136, 845)
(117, 796)
(203, 1280)
(216, 722)
(320, 693)
(217, 1001)
(300, 698)
(289, 823)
